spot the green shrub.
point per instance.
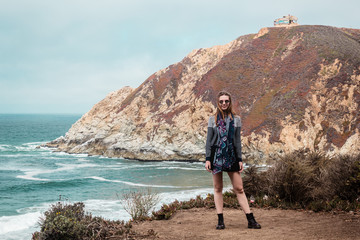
(69, 222)
(63, 221)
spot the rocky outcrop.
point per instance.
(294, 88)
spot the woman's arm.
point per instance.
(210, 135)
(237, 139)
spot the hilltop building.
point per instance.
(288, 20)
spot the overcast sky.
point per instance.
(64, 56)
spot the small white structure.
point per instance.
(286, 21)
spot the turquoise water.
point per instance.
(34, 178)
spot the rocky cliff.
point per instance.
(294, 88)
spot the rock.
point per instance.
(295, 89)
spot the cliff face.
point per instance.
(294, 88)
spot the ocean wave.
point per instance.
(83, 160)
(44, 184)
(182, 164)
(109, 209)
(19, 222)
(4, 147)
(184, 195)
(25, 148)
(30, 174)
(31, 147)
(181, 168)
(34, 143)
(133, 184)
(80, 155)
(134, 166)
(68, 166)
(32, 178)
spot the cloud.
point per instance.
(63, 85)
(64, 56)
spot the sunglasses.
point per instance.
(222, 101)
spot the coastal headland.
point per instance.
(295, 88)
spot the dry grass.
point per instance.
(139, 204)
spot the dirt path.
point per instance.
(276, 224)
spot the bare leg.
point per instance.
(237, 184)
(218, 187)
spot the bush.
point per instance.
(168, 210)
(63, 222)
(296, 181)
(254, 181)
(344, 177)
(291, 178)
(139, 204)
(309, 180)
(69, 221)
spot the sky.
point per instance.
(64, 56)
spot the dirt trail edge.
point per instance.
(200, 223)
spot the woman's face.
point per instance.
(224, 102)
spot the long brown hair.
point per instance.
(219, 111)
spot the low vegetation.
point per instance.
(296, 181)
(65, 221)
(299, 180)
(139, 204)
(69, 221)
(310, 181)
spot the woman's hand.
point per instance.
(241, 167)
(208, 166)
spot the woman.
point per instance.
(223, 153)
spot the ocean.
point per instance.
(32, 179)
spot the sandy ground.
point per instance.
(276, 224)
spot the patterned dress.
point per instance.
(223, 145)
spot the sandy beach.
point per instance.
(199, 223)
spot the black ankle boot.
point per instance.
(220, 224)
(252, 222)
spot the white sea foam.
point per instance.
(18, 223)
(133, 184)
(81, 155)
(25, 148)
(30, 177)
(181, 168)
(134, 166)
(31, 173)
(108, 209)
(168, 197)
(83, 160)
(21, 226)
(4, 147)
(34, 143)
(67, 166)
